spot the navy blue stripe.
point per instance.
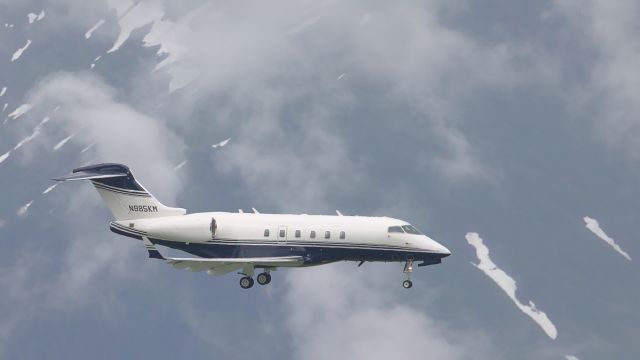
(120, 191)
(127, 229)
(312, 255)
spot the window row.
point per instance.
(312, 234)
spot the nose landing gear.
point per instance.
(408, 269)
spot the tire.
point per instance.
(407, 284)
(246, 282)
(263, 278)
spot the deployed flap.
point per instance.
(217, 266)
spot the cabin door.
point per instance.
(282, 235)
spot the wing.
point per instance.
(223, 265)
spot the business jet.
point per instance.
(224, 242)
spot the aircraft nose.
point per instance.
(438, 248)
(441, 249)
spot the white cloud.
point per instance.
(508, 285)
(120, 133)
(594, 226)
(609, 30)
(334, 311)
(424, 64)
(570, 357)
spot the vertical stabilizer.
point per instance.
(126, 198)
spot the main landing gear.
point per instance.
(246, 282)
(263, 278)
(408, 269)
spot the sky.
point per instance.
(505, 131)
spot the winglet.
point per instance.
(153, 252)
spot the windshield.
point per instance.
(411, 230)
(395, 229)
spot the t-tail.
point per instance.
(125, 197)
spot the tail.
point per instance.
(125, 197)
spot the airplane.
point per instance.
(224, 242)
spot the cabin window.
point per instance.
(266, 232)
(342, 235)
(312, 235)
(282, 233)
(297, 233)
(213, 227)
(395, 229)
(327, 234)
(411, 230)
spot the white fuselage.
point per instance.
(313, 234)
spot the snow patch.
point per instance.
(95, 27)
(19, 111)
(132, 15)
(35, 17)
(303, 25)
(4, 90)
(179, 166)
(570, 357)
(594, 226)
(24, 209)
(508, 285)
(63, 142)
(5, 107)
(4, 156)
(47, 190)
(341, 76)
(18, 53)
(36, 132)
(221, 144)
(87, 148)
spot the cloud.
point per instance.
(508, 285)
(336, 312)
(608, 30)
(89, 259)
(419, 62)
(88, 108)
(594, 226)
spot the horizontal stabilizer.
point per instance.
(87, 176)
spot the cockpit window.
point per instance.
(395, 229)
(411, 230)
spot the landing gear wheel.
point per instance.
(263, 278)
(246, 282)
(407, 284)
